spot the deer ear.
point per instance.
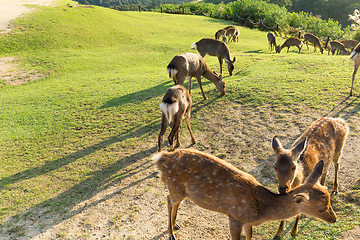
(276, 144)
(301, 197)
(215, 73)
(296, 151)
(316, 173)
(234, 59)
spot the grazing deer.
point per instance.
(175, 106)
(216, 48)
(216, 185)
(232, 33)
(350, 44)
(291, 42)
(355, 56)
(308, 37)
(323, 140)
(193, 65)
(272, 41)
(221, 34)
(336, 45)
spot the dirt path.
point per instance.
(10, 10)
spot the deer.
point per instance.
(175, 106)
(323, 140)
(232, 33)
(216, 48)
(336, 45)
(355, 56)
(221, 34)
(272, 41)
(291, 42)
(216, 185)
(308, 37)
(193, 65)
(350, 43)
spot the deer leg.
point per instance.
(356, 67)
(235, 228)
(288, 50)
(187, 119)
(190, 84)
(335, 187)
(175, 208)
(176, 127)
(164, 123)
(221, 62)
(198, 79)
(170, 228)
(323, 177)
(248, 232)
(299, 49)
(178, 137)
(279, 231)
(294, 229)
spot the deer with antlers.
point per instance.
(323, 140)
(193, 65)
(216, 185)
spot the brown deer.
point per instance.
(350, 43)
(232, 33)
(221, 34)
(272, 41)
(193, 65)
(323, 140)
(216, 185)
(308, 37)
(336, 45)
(216, 48)
(355, 56)
(175, 106)
(291, 42)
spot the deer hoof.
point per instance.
(334, 193)
(276, 238)
(172, 238)
(176, 227)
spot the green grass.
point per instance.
(105, 76)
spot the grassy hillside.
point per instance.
(71, 134)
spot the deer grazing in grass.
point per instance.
(216, 48)
(221, 34)
(336, 46)
(232, 33)
(216, 185)
(350, 43)
(323, 140)
(291, 42)
(193, 65)
(355, 56)
(175, 106)
(308, 37)
(272, 41)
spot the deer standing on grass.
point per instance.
(272, 41)
(308, 37)
(175, 106)
(193, 65)
(291, 42)
(355, 56)
(336, 45)
(221, 34)
(232, 33)
(216, 185)
(216, 48)
(323, 140)
(350, 43)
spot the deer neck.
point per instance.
(211, 76)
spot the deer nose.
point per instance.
(283, 190)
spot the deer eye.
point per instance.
(293, 169)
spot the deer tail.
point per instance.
(169, 109)
(353, 54)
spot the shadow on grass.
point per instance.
(347, 108)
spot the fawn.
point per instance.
(323, 140)
(216, 185)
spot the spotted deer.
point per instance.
(215, 48)
(291, 42)
(221, 34)
(193, 65)
(355, 56)
(216, 185)
(323, 140)
(272, 41)
(175, 106)
(308, 37)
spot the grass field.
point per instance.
(95, 115)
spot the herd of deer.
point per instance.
(215, 184)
